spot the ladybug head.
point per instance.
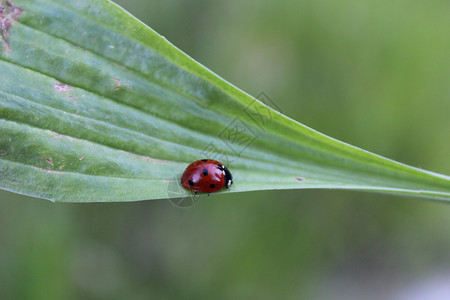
(228, 177)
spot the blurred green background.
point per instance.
(373, 73)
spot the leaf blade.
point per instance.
(98, 107)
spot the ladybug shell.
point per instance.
(206, 176)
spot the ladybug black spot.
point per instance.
(212, 185)
(191, 183)
(205, 172)
(204, 160)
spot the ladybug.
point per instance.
(206, 175)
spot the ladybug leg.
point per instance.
(209, 194)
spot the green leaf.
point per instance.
(95, 106)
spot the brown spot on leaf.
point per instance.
(118, 83)
(62, 88)
(300, 179)
(50, 161)
(59, 136)
(9, 14)
(50, 171)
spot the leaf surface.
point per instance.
(96, 106)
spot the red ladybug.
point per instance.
(206, 176)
